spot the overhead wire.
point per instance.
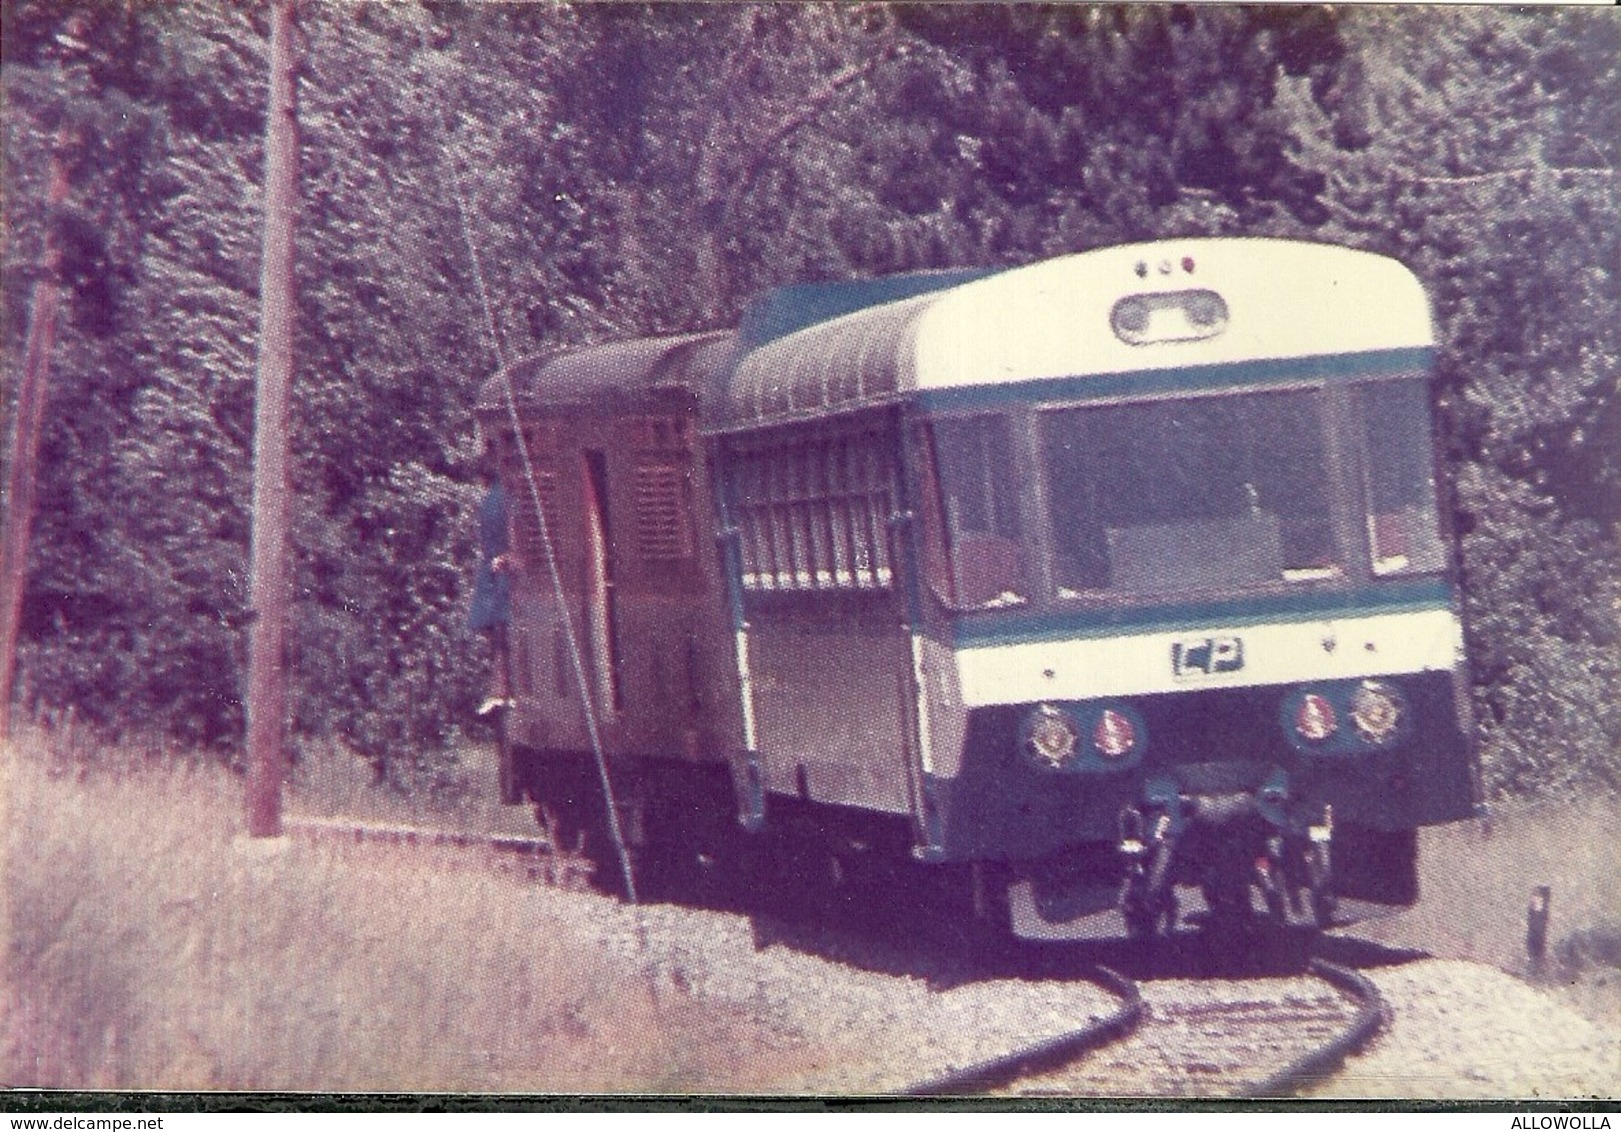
(548, 546)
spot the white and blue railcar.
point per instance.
(1118, 583)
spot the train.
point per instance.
(1113, 592)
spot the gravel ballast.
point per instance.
(864, 1017)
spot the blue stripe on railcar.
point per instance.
(1023, 627)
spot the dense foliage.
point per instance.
(625, 169)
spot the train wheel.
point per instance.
(964, 907)
(692, 852)
(567, 865)
(572, 818)
(811, 877)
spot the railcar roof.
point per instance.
(1283, 299)
(822, 349)
(625, 371)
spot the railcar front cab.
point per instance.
(1192, 637)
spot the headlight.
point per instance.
(1052, 736)
(1376, 710)
(1347, 717)
(1168, 316)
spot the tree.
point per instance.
(640, 169)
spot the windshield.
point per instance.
(1222, 492)
(1189, 494)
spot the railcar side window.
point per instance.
(974, 457)
(1399, 481)
(813, 512)
(1189, 493)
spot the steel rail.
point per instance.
(386, 833)
(1323, 1062)
(1047, 1056)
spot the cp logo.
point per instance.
(1206, 657)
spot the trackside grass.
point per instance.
(149, 947)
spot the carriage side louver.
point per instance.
(663, 533)
(545, 483)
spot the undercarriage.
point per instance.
(1226, 863)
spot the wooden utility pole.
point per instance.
(29, 420)
(268, 558)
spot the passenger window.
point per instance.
(1400, 496)
(813, 512)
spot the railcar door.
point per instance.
(600, 585)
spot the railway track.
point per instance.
(1046, 1056)
(533, 857)
(1324, 1061)
(1182, 1038)
(393, 833)
(1181, 1046)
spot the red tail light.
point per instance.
(1314, 719)
(1114, 736)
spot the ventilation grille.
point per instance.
(546, 483)
(663, 528)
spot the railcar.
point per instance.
(1116, 587)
